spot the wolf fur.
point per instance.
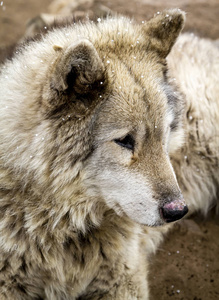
(196, 164)
(93, 120)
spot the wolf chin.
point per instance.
(103, 128)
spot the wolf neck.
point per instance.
(83, 221)
(48, 222)
(86, 214)
(52, 217)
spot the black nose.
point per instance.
(174, 210)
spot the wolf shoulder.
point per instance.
(194, 61)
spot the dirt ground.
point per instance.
(186, 265)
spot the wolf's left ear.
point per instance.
(163, 30)
(77, 71)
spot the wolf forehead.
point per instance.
(127, 59)
(83, 63)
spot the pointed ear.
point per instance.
(77, 71)
(163, 30)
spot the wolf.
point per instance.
(104, 127)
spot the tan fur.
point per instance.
(75, 203)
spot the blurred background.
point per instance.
(186, 266)
(202, 15)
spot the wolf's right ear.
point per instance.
(77, 71)
(163, 30)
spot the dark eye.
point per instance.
(126, 142)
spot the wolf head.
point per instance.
(97, 110)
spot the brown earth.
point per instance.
(186, 265)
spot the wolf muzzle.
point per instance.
(174, 210)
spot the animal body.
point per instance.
(93, 120)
